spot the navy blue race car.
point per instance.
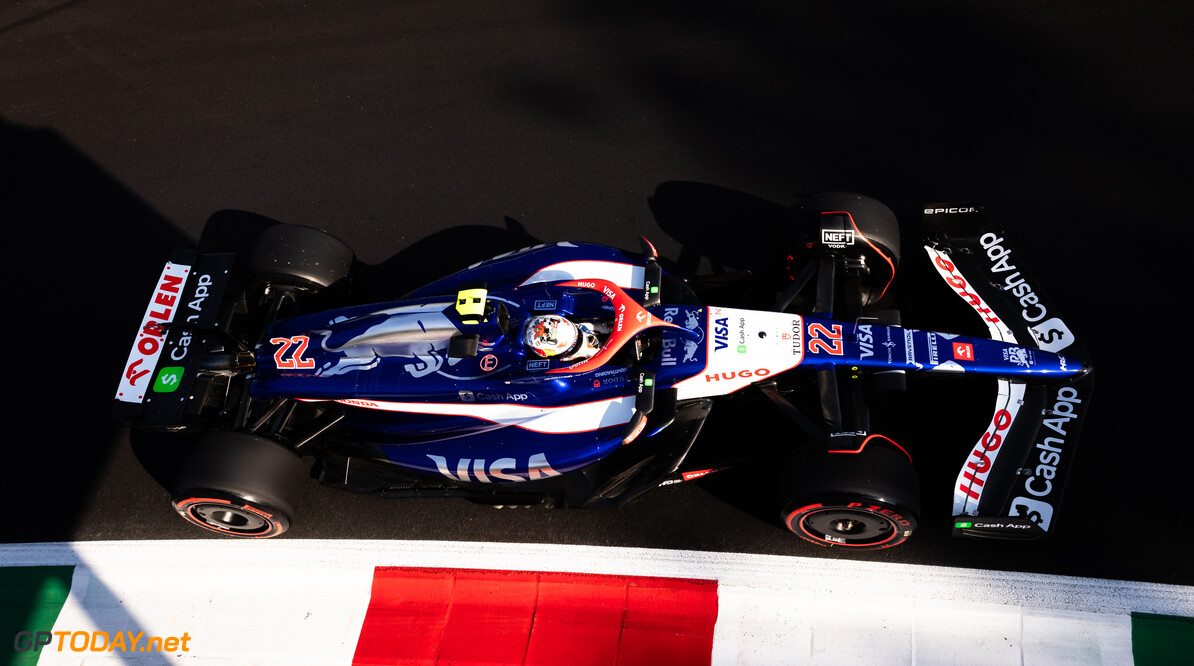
(576, 375)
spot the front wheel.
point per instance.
(853, 522)
(858, 229)
(864, 499)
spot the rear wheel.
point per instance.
(299, 256)
(864, 500)
(239, 485)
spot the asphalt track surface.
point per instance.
(431, 134)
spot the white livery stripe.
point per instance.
(956, 281)
(626, 276)
(584, 417)
(743, 347)
(973, 475)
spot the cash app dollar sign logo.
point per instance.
(168, 380)
(1050, 336)
(1053, 334)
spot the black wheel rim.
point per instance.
(227, 518)
(848, 527)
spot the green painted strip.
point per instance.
(30, 600)
(1162, 639)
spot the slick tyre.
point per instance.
(239, 485)
(866, 500)
(299, 256)
(873, 235)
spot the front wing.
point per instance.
(1013, 477)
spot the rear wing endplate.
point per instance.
(158, 377)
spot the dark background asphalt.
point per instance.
(428, 134)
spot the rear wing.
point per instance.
(159, 378)
(1013, 478)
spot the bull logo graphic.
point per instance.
(419, 333)
(1019, 357)
(345, 365)
(425, 363)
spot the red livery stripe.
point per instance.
(467, 616)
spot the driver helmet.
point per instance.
(550, 335)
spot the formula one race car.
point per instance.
(571, 374)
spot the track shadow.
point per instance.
(731, 229)
(76, 236)
(440, 254)
(82, 248)
(430, 258)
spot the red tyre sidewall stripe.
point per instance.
(184, 509)
(802, 531)
(868, 441)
